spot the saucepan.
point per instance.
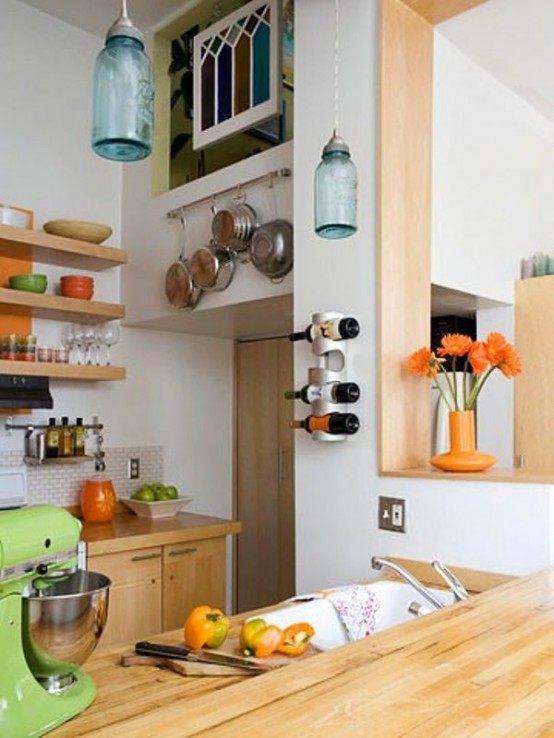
(233, 226)
(180, 290)
(271, 250)
(212, 268)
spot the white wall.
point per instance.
(496, 527)
(179, 389)
(493, 178)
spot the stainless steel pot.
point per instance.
(180, 290)
(232, 227)
(271, 250)
(212, 268)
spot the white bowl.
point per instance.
(161, 509)
(12, 217)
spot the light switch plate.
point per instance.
(392, 514)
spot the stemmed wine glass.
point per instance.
(73, 337)
(90, 334)
(109, 333)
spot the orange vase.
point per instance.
(462, 456)
(98, 500)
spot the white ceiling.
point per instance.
(512, 39)
(96, 16)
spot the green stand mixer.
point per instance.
(51, 618)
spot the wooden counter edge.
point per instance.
(128, 532)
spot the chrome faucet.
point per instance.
(383, 563)
(458, 589)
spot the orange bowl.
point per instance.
(77, 279)
(77, 292)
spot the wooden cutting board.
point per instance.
(185, 668)
(229, 648)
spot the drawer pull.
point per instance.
(181, 551)
(146, 557)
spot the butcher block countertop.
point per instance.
(480, 668)
(127, 531)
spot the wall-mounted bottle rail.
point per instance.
(327, 389)
(35, 452)
(269, 177)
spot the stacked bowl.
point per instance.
(78, 286)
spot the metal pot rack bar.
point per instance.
(269, 177)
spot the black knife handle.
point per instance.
(156, 649)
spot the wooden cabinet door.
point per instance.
(265, 498)
(193, 574)
(135, 603)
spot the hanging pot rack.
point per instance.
(269, 177)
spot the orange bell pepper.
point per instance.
(296, 639)
(259, 639)
(205, 626)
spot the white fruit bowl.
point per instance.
(161, 509)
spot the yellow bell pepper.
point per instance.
(206, 626)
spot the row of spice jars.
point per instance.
(16, 347)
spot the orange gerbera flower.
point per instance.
(478, 358)
(454, 344)
(494, 348)
(424, 363)
(511, 364)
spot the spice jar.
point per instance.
(98, 499)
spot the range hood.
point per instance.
(21, 392)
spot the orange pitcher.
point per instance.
(98, 500)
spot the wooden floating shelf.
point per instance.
(24, 244)
(495, 474)
(64, 461)
(80, 372)
(52, 307)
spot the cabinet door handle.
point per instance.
(282, 467)
(181, 551)
(146, 557)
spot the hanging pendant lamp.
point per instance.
(123, 94)
(336, 178)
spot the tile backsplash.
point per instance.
(61, 484)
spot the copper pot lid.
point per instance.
(179, 288)
(204, 267)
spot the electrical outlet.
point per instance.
(134, 468)
(392, 514)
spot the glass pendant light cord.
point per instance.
(336, 70)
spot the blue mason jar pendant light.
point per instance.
(336, 178)
(123, 94)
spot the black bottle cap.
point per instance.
(65, 420)
(347, 392)
(79, 421)
(349, 328)
(51, 421)
(346, 423)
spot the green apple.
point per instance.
(172, 491)
(162, 494)
(145, 493)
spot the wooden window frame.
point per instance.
(404, 261)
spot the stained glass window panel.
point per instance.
(244, 76)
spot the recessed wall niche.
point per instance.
(174, 160)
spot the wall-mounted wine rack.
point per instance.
(327, 390)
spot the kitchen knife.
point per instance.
(208, 657)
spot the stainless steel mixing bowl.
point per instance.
(62, 625)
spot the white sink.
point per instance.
(394, 599)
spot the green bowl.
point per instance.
(29, 282)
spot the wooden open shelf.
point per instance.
(80, 372)
(24, 244)
(52, 307)
(496, 474)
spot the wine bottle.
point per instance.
(65, 447)
(334, 423)
(79, 434)
(337, 329)
(52, 439)
(338, 392)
